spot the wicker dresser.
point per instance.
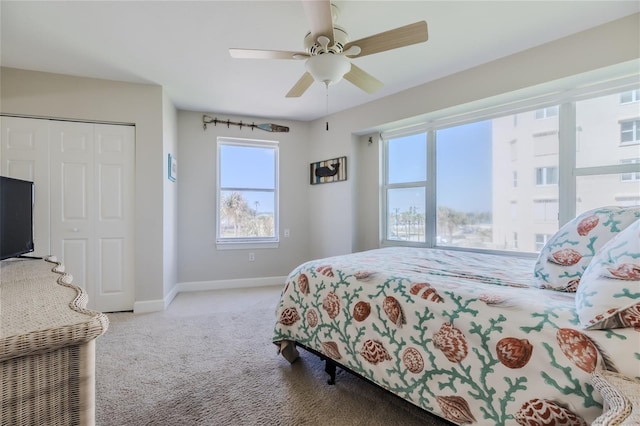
(47, 346)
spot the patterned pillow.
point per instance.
(567, 254)
(609, 292)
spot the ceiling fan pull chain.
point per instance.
(327, 88)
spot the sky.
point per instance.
(465, 167)
(247, 170)
(464, 164)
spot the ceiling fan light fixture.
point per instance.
(328, 50)
(328, 68)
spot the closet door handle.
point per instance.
(75, 230)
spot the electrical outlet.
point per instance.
(286, 233)
(252, 257)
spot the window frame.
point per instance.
(545, 238)
(567, 169)
(226, 243)
(547, 112)
(635, 131)
(546, 174)
(634, 96)
(630, 176)
(385, 226)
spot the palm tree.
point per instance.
(234, 209)
(451, 219)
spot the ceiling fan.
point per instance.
(328, 50)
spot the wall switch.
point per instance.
(286, 233)
(252, 257)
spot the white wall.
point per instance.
(170, 201)
(52, 95)
(199, 260)
(613, 43)
(367, 180)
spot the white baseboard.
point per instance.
(230, 284)
(168, 298)
(148, 306)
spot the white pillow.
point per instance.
(609, 292)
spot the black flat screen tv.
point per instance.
(16, 217)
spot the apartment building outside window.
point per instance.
(551, 111)
(541, 240)
(546, 176)
(630, 96)
(545, 210)
(633, 176)
(630, 131)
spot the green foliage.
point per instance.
(239, 220)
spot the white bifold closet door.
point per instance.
(91, 207)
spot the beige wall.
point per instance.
(170, 201)
(201, 263)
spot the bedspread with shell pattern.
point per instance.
(466, 336)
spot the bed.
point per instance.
(479, 338)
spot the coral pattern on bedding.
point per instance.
(567, 254)
(609, 291)
(466, 336)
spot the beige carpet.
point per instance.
(209, 362)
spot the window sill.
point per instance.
(247, 245)
(506, 253)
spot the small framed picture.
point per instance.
(334, 170)
(172, 167)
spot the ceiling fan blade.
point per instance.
(266, 54)
(301, 86)
(363, 80)
(320, 19)
(392, 39)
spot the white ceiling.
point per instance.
(183, 45)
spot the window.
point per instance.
(629, 131)
(605, 190)
(546, 176)
(406, 180)
(546, 112)
(464, 185)
(470, 194)
(247, 191)
(633, 176)
(630, 96)
(541, 240)
(545, 210)
(514, 150)
(600, 120)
